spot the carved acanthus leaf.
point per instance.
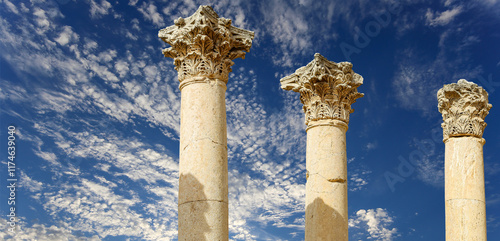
(327, 89)
(464, 105)
(204, 45)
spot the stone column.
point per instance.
(203, 47)
(464, 106)
(327, 91)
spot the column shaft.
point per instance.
(203, 182)
(464, 189)
(464, 105)
(203, 47)
(327, 91)
(326, 188)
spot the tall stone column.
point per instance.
(464, 106)
(327, 91)
(203, 47)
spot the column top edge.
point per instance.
(328, 122)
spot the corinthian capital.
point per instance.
(204, 45)
(327, 89)
(464, 106)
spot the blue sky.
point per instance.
(96, 107)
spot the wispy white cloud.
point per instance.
(280, 204)
(11, 6)
(66, 36)
(493, 200)
(150, 12)
(290, 28)
(262, 190)
(96, 208)
(491, 168)
(358, 180)
(293, 26)
(99, 9)
(376, 222)
(371, 145)
(443, 18)
(82, 202)
(30, 184)
(358, 175)
(256, 200)
(79, 72)
(92, 200)
(431, 170)
(119, 89)
(492, 222)
(126, 154)
(418, 77)
(41, 232)
(416, 85)
(48, 156)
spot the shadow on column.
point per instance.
(193, 225)
(324, 223)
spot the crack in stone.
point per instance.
(204, 200)
(204, 138)
(465, 199)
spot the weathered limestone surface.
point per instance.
(464, 106)
(204, 220)
(327, 91)
(326, 187)
(203, 47)
(464, 189)
(203, 144)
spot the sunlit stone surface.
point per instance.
(327, 91)
(203, 47)
(464, 106)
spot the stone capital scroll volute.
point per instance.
(463, 105)
(204, 45)
(327, 89)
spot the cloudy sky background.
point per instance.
(96, 107)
